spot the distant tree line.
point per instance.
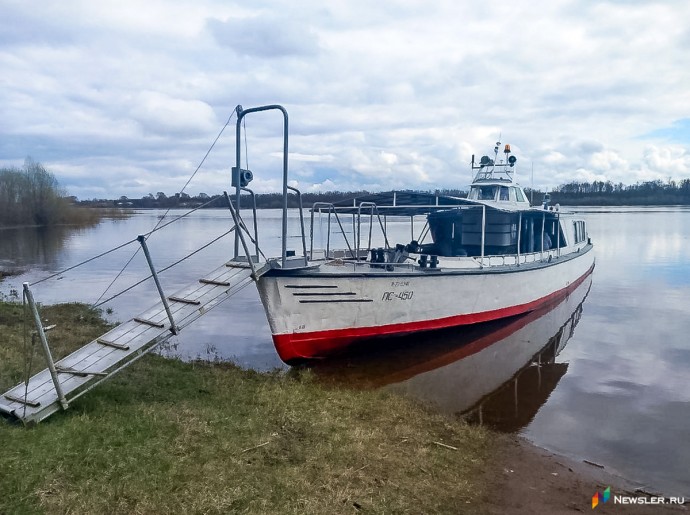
(184, 200)
(263, 200)
(596, 193)
(31, 195)
(600, 193)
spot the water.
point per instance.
(601, 375)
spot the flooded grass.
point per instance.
(168, 436)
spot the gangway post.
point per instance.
(46, 348)
(142, 240)
(256, 226)
(241, 113)
(238, 231)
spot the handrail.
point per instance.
(331, 209)
(301, 223)
(519, 232)
(372, 206)
(256, 227)
(241, 113)
(238, 234)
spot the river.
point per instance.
(601, 375)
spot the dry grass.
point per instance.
(166, 436)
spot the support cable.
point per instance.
(83, 262)
(166, 268)
(156, 227)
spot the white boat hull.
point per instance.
(313, 313)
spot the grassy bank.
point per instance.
(167, 436)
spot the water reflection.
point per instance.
(498, 374)
(35, 247)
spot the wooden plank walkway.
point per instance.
(124, 344)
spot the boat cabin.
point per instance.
(495, 219)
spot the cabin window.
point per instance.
(483, 193)
(513, 198)
(520, 196)
(503, 195)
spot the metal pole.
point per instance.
(256, 225)
(543, 223)
(239, 230)
(301, 223)
(142, 241)
(311, 232)
(558, 229)
(238, 159)
(241, 113)
(46, 348)
(483, 232)
(518, 237)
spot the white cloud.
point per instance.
(380, 95)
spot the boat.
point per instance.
(499, 373)
(489, 256)
(485, 257)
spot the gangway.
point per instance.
(65, 380)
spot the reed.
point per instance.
(31, 195)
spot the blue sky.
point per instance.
(124, 98)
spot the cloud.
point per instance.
(380, 95)
(264, 35)
(160, 113)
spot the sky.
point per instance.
(126, 98)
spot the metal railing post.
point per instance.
(46, 348)
(241, 113)
(558, 238)
(518, 237)
(543, 224)
(301, 223)
(483, 232)
(142, 241)
(239, 231)
(256, 225)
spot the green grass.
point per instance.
(166, 436)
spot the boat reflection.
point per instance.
(498, 374)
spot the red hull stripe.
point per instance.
(295, 346)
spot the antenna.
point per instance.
(531, 188)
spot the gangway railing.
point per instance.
(67, 379)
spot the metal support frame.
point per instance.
(301, 224)
(241, 113)
(256, 227)
(558, 235)
(46, 349)
(483, 233)
(372, 207)
(142, 240)
(238, 232)
(543, 226)
(331, 209)
(518, 237)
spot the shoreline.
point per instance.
(523, 478)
